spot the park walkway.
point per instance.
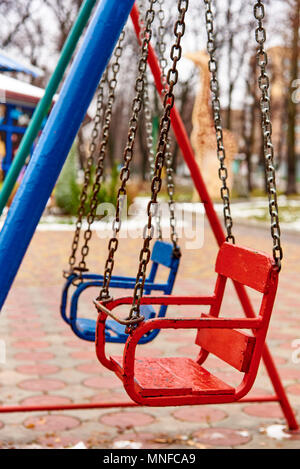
(46, 364)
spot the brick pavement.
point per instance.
(46, 364)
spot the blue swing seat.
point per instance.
(162, 254)
(114, 331)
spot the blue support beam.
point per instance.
(58, 136)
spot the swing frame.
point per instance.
(16, 242)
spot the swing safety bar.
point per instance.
(125, 322)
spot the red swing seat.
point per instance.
(181, 380)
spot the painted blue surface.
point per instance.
(58, 136)
(7, 126)
(162, 254)
(8, 64)
(114, 332)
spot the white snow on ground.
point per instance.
(277, 432)
(244, 433)
(241, 211)
(79, 445)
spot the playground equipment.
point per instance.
(44, 105)
(164, 254)
(18, 100)
(10, 64)
(180, 380)
(54, 145)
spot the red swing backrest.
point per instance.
(252, 269)
(246, 266)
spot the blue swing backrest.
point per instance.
(162, 254)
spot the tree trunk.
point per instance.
(143, 146)
(292, 107)
(230, 51)
(81, 149)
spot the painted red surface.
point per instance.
(181, 381)
(234, 347)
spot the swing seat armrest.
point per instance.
(108, 306)
(198, 323)
(164, 300)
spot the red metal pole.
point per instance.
(49, 408)
(189, 157)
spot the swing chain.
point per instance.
(165, 123)
(87, 175)
(128, 152)
(162, 46)
(216, 107)
(148, 122)
(264, 85)
(146, 101)
(168, 157)
(148, 126)
(102, 151)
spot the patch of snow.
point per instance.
(79, 445)
(216, 436)
(277, 432)
(126, 444)
(243, 433)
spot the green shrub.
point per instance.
(108, 191)
(67, 190)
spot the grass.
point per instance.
(287, 214)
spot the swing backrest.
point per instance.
(252, 269)
(246, 266)
(162, 254)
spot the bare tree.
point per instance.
(14, 16)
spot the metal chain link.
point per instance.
(148, 122)
(87, 175)
(169, 157)
(151, 155)
(165, 123)
(148, 126)
(264, 85)
(128, 152)
(162, 46)
(216, 107)
(102, 150)
(146, 100)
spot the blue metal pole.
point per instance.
(58, 136)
